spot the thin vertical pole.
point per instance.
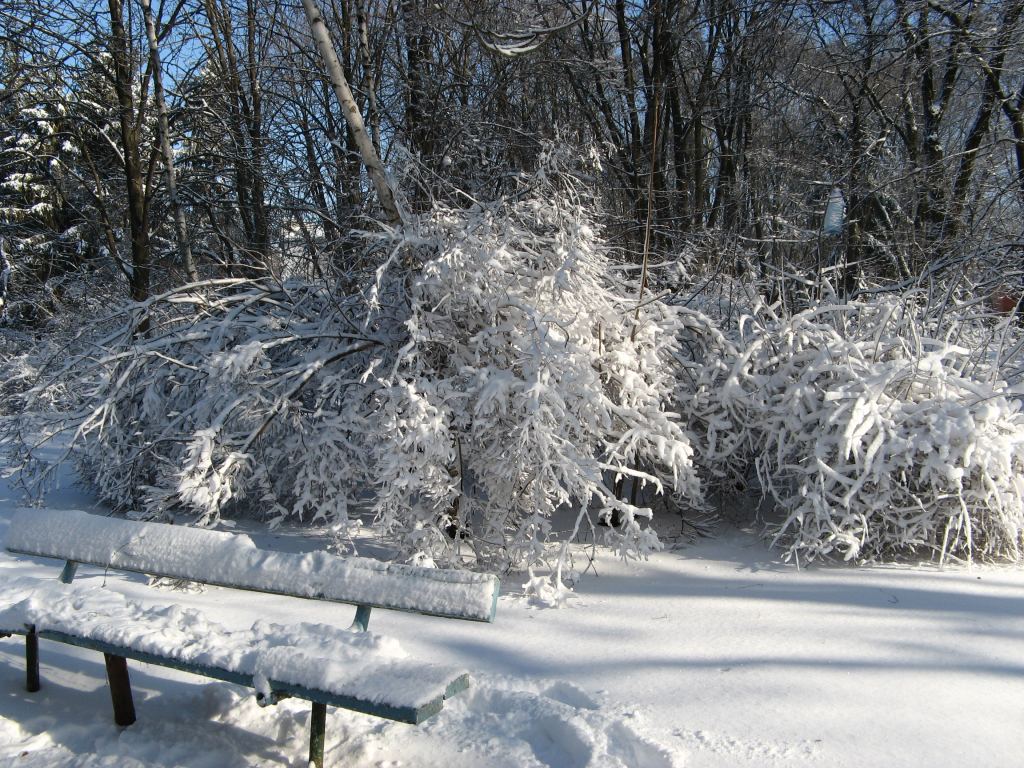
(362, 619)
(31, 660)
(120, 689)
(68, 574)
(317, 733)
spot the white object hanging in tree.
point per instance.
(835, 213)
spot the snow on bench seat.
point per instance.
(358, 670)
(353, 669)
(233, 560)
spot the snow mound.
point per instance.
(502, 722)
(533, 724)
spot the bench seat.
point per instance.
(360, 671)
(326, 665)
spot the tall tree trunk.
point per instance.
(369, 81)
(244, 122)
(261, 224)
(343, 93)
(629, 84)
(163, 125)
(133, 171)
(416, 54)
(1016, 116)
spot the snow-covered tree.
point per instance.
(525, 382)
(491, 375)
(35, 151)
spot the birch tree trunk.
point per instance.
(369, 80)
(343, 93)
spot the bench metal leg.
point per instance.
(120, 689)
(317, 732)
(31, 660)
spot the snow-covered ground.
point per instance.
(710, 655)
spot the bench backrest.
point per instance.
(234, 560)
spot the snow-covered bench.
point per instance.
(349, 668)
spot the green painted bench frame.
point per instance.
(115, 659)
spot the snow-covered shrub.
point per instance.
(530, 381)
(17, 369)
(156, 423)
(721, 429)
(44, 321)
(877, 441)
(491, 373)
(701, 307)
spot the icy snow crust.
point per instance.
(229, 559)
(358, 665)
